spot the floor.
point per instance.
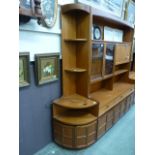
(119, 140)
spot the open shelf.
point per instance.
(95, 79)
(108, 76)
(109, 98)
(76, 70)
(76, 40)
(75, 101)
(75, 117)
(120, 71)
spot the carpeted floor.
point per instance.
(119, 140)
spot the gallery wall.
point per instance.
(35, 123)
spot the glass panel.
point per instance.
(109, 58)
(97, 60)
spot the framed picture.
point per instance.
(49, 12)
(114, 7)
(26, 7)
(47, 67)
(130, 12)
(24, 79)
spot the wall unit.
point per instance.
(97, 90)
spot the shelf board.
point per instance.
(109, 98)
(76, 70)
(122, 63)
(107, 76)
(76, 40)
(75, 101)
(78, 117)
(95, 79)
(132, 75)
(120, 71)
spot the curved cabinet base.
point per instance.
(74, 136)
(81, 136)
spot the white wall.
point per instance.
(36, 39)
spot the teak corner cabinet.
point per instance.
(97, 90)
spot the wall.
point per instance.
(35, 114)
(35, 130)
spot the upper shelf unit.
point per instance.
(95, 12)
(110, 18)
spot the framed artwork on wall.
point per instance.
(114, 7)
(24, 79)
(49, 12)
(47, 67)
(130, 12)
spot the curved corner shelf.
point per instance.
(76, 70)
(77, 117)
(75, 101)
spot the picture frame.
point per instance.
(47, 67)
(24, 73)
(49, 12)
(130, 12)
(114, 7)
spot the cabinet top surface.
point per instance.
(108, 99)
(75, 101)
(95, 12)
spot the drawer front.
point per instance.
(110, 115)
(128, 103)
(101, 121)
(132, 98)
(109, 124)
(117, 108)
(122, 107)
(116, 117)
(101, 131)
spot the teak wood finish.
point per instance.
(97, 91)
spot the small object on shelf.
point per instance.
(97, 32)
(24, 78)
(112, 34)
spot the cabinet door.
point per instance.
(109, 58)
(122, 53)
(85, 135)
(97, 60)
